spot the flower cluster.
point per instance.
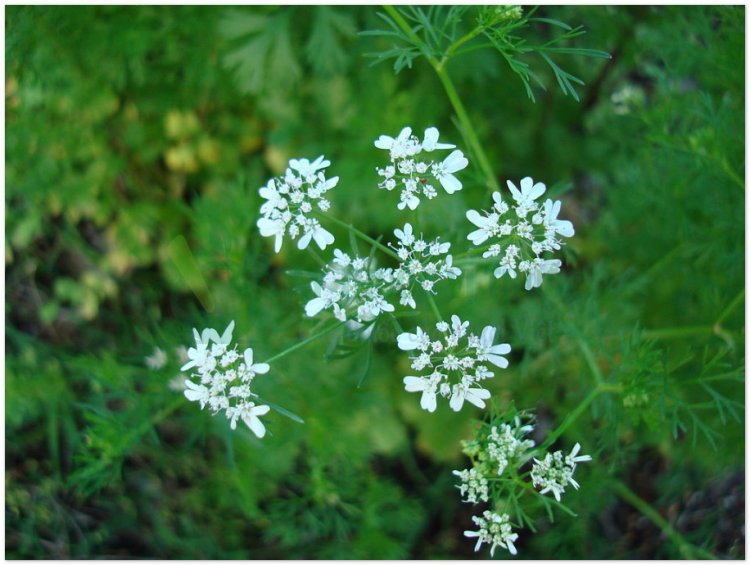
(555, 471)
(224, 378)
(352, 288)
(507, 444)
(499, 455)
(456, 369)
(413, 174)
(532, 231)
(421, 262)
(495, 530)
(474, 486)
(291, 198)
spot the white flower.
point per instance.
(474, 487)
(217, 366)
(321, 236)
(409, 342)
(476, 396)
(529, 192)
(562, 227)
(273, 228)
(249, 413)
(487, 226)
(555, 471)
(494, 529)
(406, 236)
(409, 171)
(197, 356)
(226, 337)
(197, 392)
(157, 359)
(457, 369)
(257, 368)
(538, 267)
(443, 172)
(291, 198)
(430, 142)
(305, 168)
(492, 353)
(428, 389)
(397, 146)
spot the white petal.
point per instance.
(455, 162)
(477, 219)
(450, 183)
(249, 357)
(478, 237)
(457, 400)
(384, 142)
(430, 138)
(514, 191)
(315, 305)
(304, 241)
(254, 423)
(414, 384)
(564, 228)
(407, 341)
(428, 401)
(260, 410)
(488, 336)
(323, 238)
(477, 396)
(261, 368)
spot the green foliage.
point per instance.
(136, 140)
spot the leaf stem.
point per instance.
(304, 342)
(450, 91)
(363, 236)
(688, 550)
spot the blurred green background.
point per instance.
(136, 138)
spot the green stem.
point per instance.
(588, 355)
(433, 306)
(688, 550)
(455, 100)
(576, 413)
(570, 418)
(459, 42)
(729, 309)
(468, 127)
(363, 236)
(304, 342)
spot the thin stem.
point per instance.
(433, 306)
(729, 309)
(588, 355)
(459, 42)
(688, 550)
(602, 388)
(455, 100)
(469, 131)
(363, 236)
(304, 342)
(570, 418)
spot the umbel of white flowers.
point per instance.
(291, 199)
(415, 176)
(224, 378)
(456, 369)
(354, 289)
(522, 242)
(495, 530)
(555, 471)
